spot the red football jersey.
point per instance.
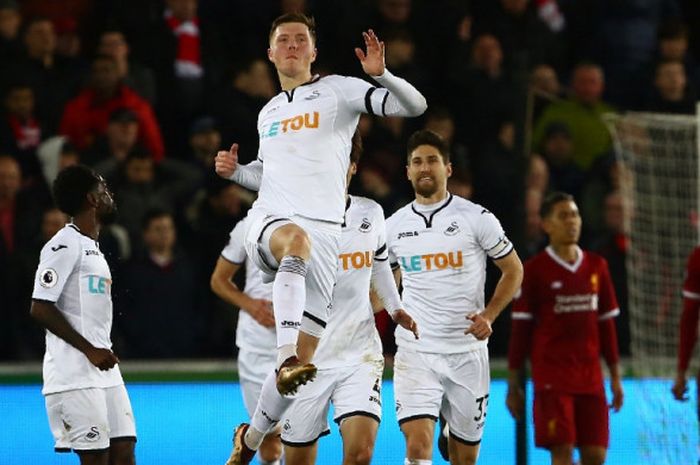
(566, 301)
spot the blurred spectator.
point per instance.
(53, 78)
(439, 120)
(20, 131)
(498, 180)
(87, 115)
(401, 59)
(612, 245)
(120, 138)
(237, 104)
(140, 184)
(673, 39)
(582, 113)
(169, 325)
(621, 36)
(535, 239)
(141, 79)
(68, 43)
(483, 94)
(30, 344)
(205, 141)
(557, 150)
(671, 92)
(537, 176)
(525, 38)
(460, 183)
(184, 54)
(20, 216)
(215, 216)
(54, 154)
(10, 21)
(544, 83)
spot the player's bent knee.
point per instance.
(292, 240)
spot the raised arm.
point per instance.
(402, 99)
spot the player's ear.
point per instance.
(314, 55)
(269, 54)
(449, 169)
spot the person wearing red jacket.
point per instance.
(563, 320)
(86, 116)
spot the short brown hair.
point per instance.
(308, 21)
(428, 137)
(551, 200)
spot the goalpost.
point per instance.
(658, 158)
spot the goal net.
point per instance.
(658, 158)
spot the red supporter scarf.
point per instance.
(27, 134)
(188, 60)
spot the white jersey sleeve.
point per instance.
(491, 236)
(57, 262)
(234, 251)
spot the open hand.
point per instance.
(373, 61)
(480, 327)
(404, 320)
(226, 162)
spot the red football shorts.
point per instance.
(577, 419)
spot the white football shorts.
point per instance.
(456, 385)
(322, 268)
(87, 419)
(352, 390)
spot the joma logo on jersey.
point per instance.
(432, 261)
(356, 260)
(407, 234)
(98, 284)
(295, 123)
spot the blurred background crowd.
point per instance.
(146, 92)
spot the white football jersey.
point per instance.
(350, 335)
(305, 140)
(74, 276)
(442, 257)
(250, 335)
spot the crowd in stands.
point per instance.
(147, 91)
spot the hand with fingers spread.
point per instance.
(373, 60)
(226, 162)
(404, 320)
(480, 327)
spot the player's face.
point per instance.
(563, 225)
(427, 171)
(292, 49)
(104, 199)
